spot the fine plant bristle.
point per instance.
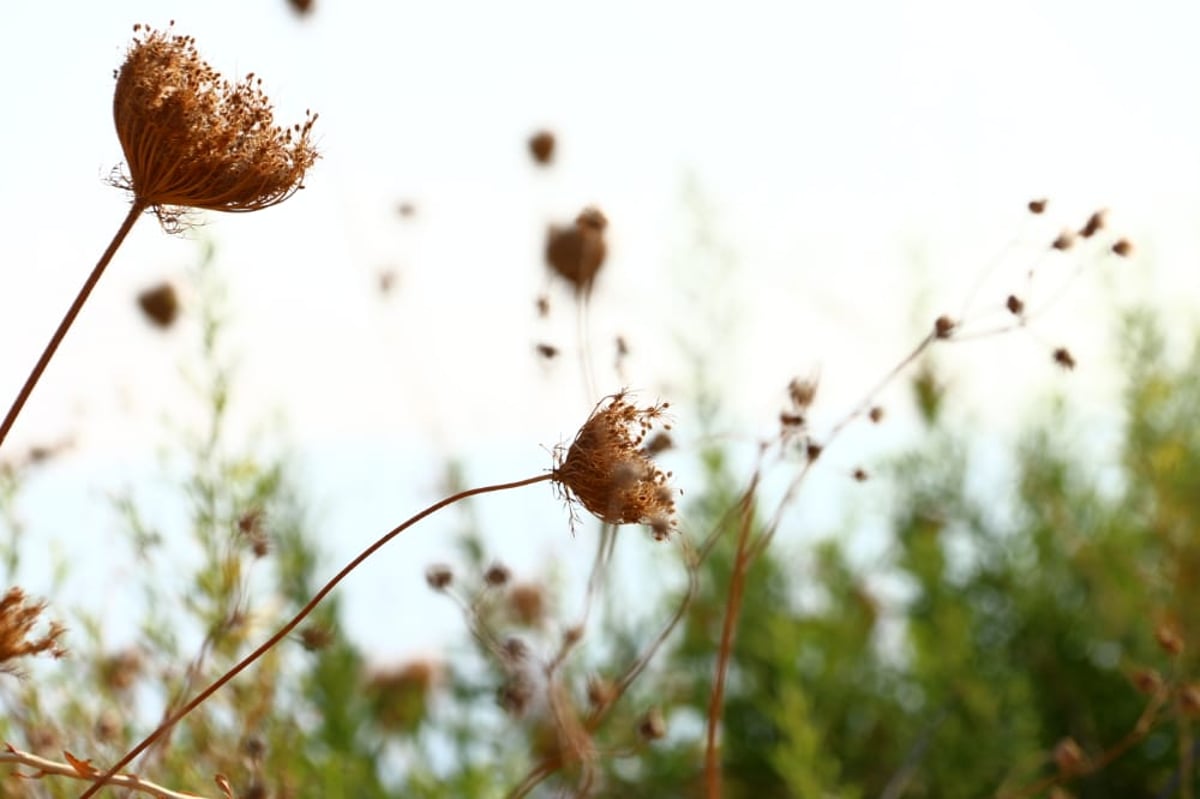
(194, 140)
(608, 471)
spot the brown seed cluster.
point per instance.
(18, 617)
(160, 304)
(576, 252)
(194, 140)
(608, 471)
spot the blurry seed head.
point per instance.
(652, 726)
(1168, 636)
(315, 637)
(607, 471)
(547, 351)
(1014, 305)
(600, 691)
(515, 648)
(496, 575)
(1063, 357)
(1037, 206)
(876, 414)
(860, 475)
(1146, 681)
(527, 604)
(1094, 224)
(541, 147)
(1123, 247)
(194, 140)
(577, 252)
(543, 306)
(1064, 241)
(439, 576)
(943, 327)
(160, 304)
(301, 7)
(516, 695)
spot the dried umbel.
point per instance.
(577, 252)
(18, 618)
(194, 140)
(608, 471)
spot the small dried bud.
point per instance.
(497, 574)
(1123, 247)
(1069, 758)
(527, 603)
(813, 451)
(439, 577)
(547, 351)
(1063, 357)
(193, 140)
(608, 472)
(860, 475)
(543, 306)
(652, 727)
(1189, 699)
(875, 414)
(573, 635)
(406, 209)
(600, 692)
(515, 695)
(1037, 206)
(943, 327)
(399, 696)
(1094, 224)
(254, 747)
(1065, 241)
(802, 392)
(541, 147)
(658, 443)
(316, 637)
(108, 726)
(791, 419)
(515, 648)
(1169, 638)
(1014, 305)
(160, 304)
(301, 7)
(1146, 681)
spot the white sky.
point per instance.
(865, 161)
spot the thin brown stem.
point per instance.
(737, 583)
(308, 608)
(11, 417)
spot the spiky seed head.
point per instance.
(606, 469)
(194, 140)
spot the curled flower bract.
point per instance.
(608, 470)
(194, 140)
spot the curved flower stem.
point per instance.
(308, 608)
(134, 211)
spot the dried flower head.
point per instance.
(943, 327)
(547, 351)
(1037, 206)
(876, 414)
(607, 470)
(527, 604)
(18, 617)
(576, 252)
(194, 140)
(1064, 241)
(160, 304)
(1064, 358)
(652, 726)
(1094, 224)
(1123, 247)
(497, 574)
(439, 576)
(541, 147)
(1015, 305)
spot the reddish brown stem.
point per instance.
(737, 583)
(134, 211)
(266, 646)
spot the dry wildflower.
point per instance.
(496, 575)
(943, 327)
(1069, 758)
(1038, 206)
(527, 603)
(1094, 224)
(1169, 638)
(160, 304)
(547, 351)
(652, 726)
(1146, 681)
(541, 147)
(1064, 241)
(1123, 247)
(802, 392)
(1064, 358)
(1014, 305)
(18, 617)
(576, 252)
(876, 414)
(609, 473)
(439, 577)
(194, 140)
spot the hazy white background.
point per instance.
(862, 164)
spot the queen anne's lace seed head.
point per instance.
(194, 140)
(607, 468)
